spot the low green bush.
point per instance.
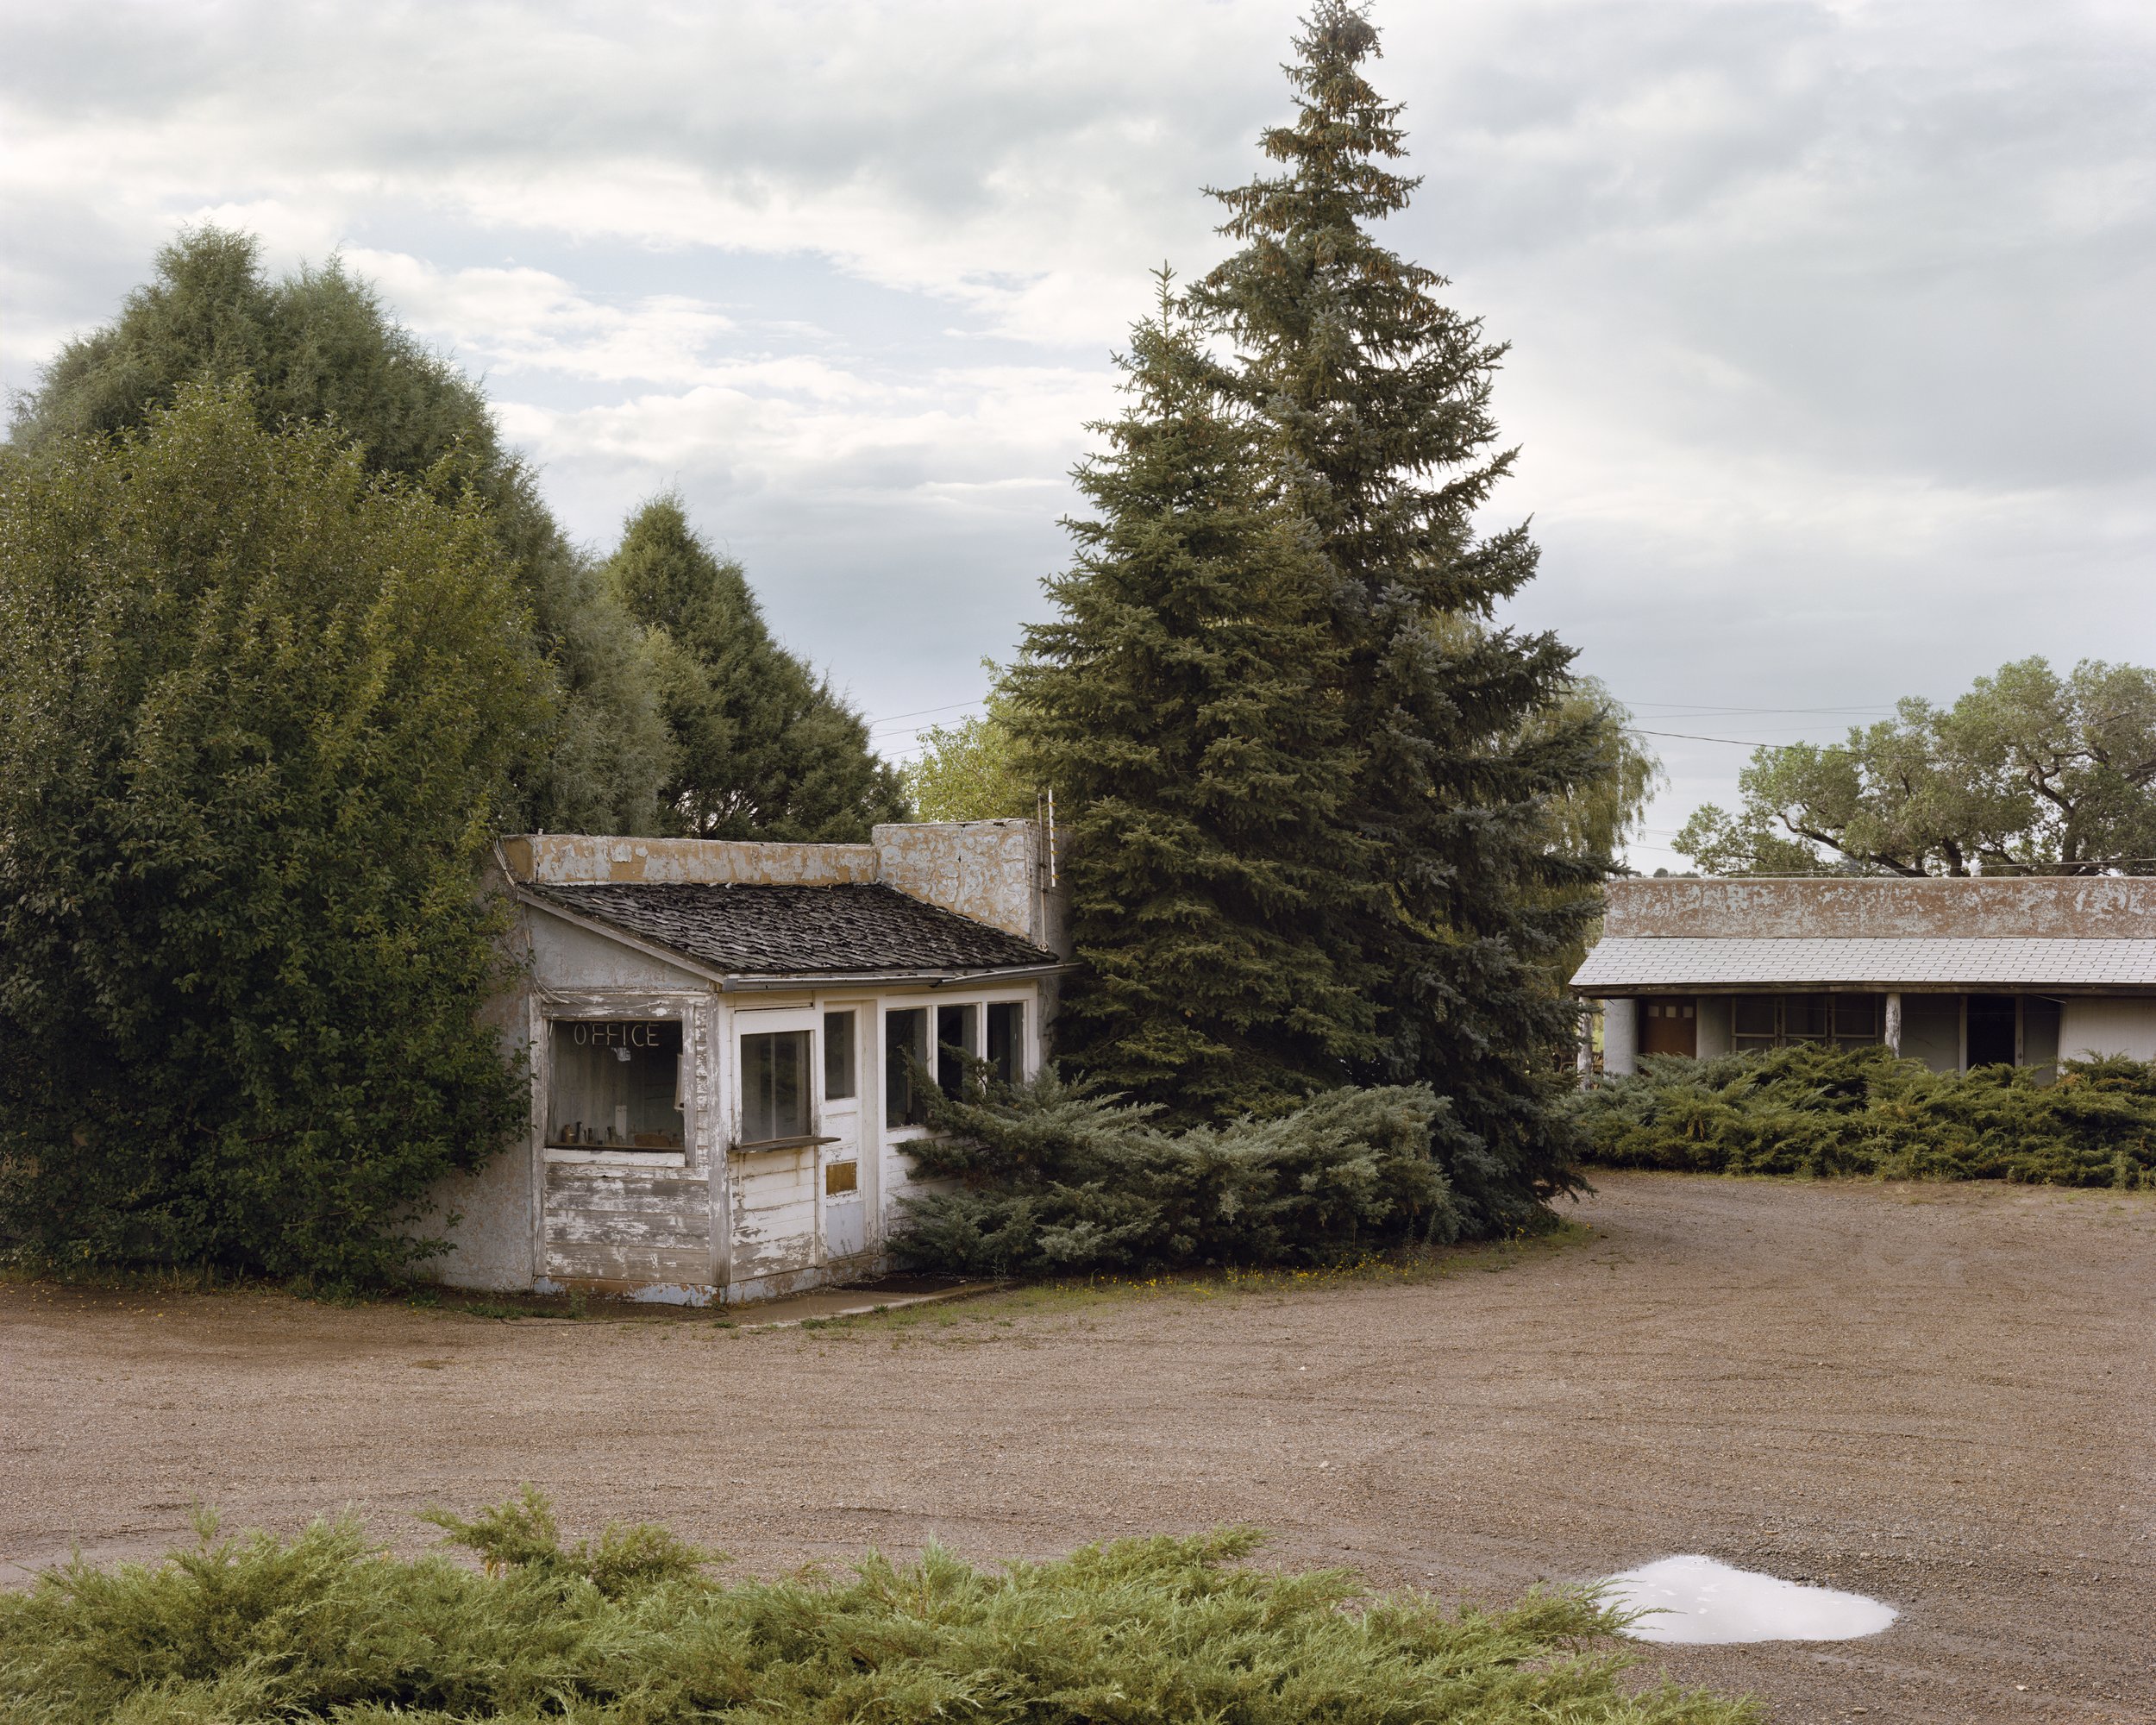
(1823, 1111)
(635, 1631)
(1060, 1179)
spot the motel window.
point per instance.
(954, 1043)
(1758, 1021)
(905, 1040)
(775, 1087)
(838, 1056)
(615, 1084)
(1007, 1041)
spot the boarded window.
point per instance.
(615, 1084)
(838, 1056)
(905, 1040)
(775, 1087)
(840, 1178)
(1007, 1041)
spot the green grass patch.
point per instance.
(634, 1628)
(1810, 1110)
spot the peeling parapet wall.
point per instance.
(994, 871)
(990, 870)
(2056, 907)
(568, 859)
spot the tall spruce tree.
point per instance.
(764, 749)
(317, 347)
(1185, 704)
(1377, 398)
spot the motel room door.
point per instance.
(1668, 1027)
(844, 1195)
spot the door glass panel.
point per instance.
(774, 1093)
(838, 1056)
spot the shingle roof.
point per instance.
(760, 931)
(1670, 961)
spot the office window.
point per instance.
(615, 1085)
(775, 1087)
(1007, 1041)
(904, 1039)
(838, 1056)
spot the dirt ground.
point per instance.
(1943, 1396)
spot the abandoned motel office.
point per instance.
(2025, 971)
(728, 1043)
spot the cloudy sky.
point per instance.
(1833, 366)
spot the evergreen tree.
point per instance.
(1185, 706)
(1376, 395)
(764, 748)
(318, 347)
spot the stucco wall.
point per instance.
(2049, 907)
(2101, 1026)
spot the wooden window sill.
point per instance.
(769, 1145)
(617, 1158)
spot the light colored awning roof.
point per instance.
(1619, 965)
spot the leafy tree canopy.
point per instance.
(2029, 773)
(976, 768)
(258, 710)
(764, 749)
(318, 347)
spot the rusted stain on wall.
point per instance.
(2038, 907)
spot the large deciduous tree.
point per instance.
(318, 348)
(258, 709)
(1186, 705)
(2028, 773)
(1454, 890)
(763, 747)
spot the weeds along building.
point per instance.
(719, 1037)
(1955, 973)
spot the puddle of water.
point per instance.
(1700, 1602)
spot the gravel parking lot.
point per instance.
(1943, 1396)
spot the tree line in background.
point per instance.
(2029, 773)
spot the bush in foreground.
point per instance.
(632, 1629)
(1060, 1179)
(1825, 1111)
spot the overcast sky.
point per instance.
(1833, 364)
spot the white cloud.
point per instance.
(1832, 355)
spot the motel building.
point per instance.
(717, 1037)
(2027, 970)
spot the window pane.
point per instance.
(1007, 1041)
(615, 1085)
(1804, 1016)
(954, 1041)
(1753, 1015)
(775, 1087)
(1857, 1018)
(838, 1056)
(904, 1032)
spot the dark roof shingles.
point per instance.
(779, 931)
